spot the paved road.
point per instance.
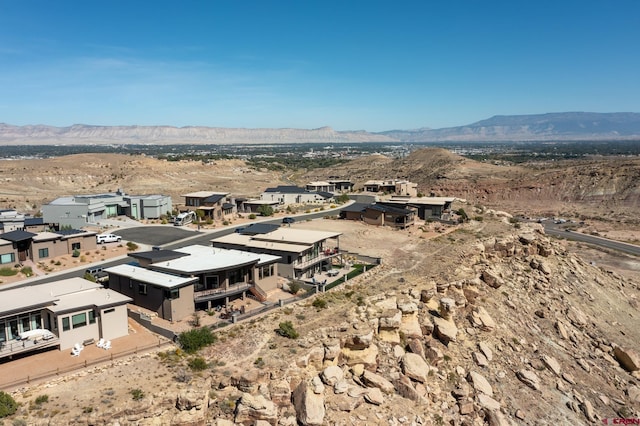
(559, 230)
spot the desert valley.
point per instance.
(486, 321)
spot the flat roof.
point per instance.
(434, 201)
(58, 296)
(319, 183)
(42, 236)
(262, 202)
(203, 194)
(22, 299)
(297, 235)
(98, 297)
(247, 241)
(287, 239)
(157, 255)
(207, 259)
(149, 276)
(18, 235)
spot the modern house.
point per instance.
(341, 185)
(81, 210)
(284, 194)
(378, 214)
(147, 206)
(302, 252)
(214, 205)
(18, 246)
(59, 314)
(174, 283)
(392, 186)
(253, 206)
(427, 207)
(321, 186)
(354, 211)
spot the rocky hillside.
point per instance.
(490, 324)
(27, 184)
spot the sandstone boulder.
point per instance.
(332, 375)
(309, 406)
(628, 359)
(491, 278)
(390, 320)
(377, 381)
(445, 331)
(529, 378)
(251, 408)
(480, 383)
(415, 367)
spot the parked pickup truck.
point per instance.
(108, 238)
(98, 274)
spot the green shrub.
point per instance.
(285, 329)
(197, 364)
(193, 340)
(76, 253)
(294, 287)
(131, 246)
(137, 394)
(7, 272)
(342, 198)
(8, 405)
(319, 303)
(41, 399)
(27, 271)
(252, 216)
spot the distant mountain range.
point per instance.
(539, 127)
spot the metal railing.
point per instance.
(79, 365)
(219, 292)
(15, 347)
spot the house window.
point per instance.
(92, 317)
(7, 258)
(142, 288)
(43, 252)
(265, 271)
(75, 246)
(65, 324)
(79, 320)
(172, 294)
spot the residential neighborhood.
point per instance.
(253, 264)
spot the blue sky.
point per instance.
(349, 64)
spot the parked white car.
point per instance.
(108, 238)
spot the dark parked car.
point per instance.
(288, 220)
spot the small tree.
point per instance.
(8, 405)
(294, 287)
(265, 210)
(285, 329)
(342, 198)
(193, 340)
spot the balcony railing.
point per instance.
(14, 347)
(327, 254)
(216, 293)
